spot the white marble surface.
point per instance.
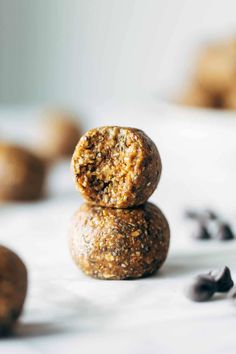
(67, 312)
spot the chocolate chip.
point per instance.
(223, 280)
(224, 232)
(202, 222)
(209, 225)
(202, 288)
(201, 232)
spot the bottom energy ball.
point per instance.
(13, 286)
(111, 243)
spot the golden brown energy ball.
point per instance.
(108, 243)
(196, 96)
(60, 134)
(116, 167)
(230, 98)
(13, 287)
(22, 174)
(216, 69)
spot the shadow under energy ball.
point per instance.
(22, 174)
(13, 287)
(118, 244)
(116, 167)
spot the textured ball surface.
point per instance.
(111, 243)
(22, 174)
(116, 167)
(13, 287)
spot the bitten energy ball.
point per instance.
(116, 167)
(60, 134)
(13, 286)
(22, 174)
(109, 243)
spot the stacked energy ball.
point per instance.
(118, 234)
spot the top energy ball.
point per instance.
(116, 167)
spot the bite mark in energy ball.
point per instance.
(116, 167)
(22, 174)
(13, 287)
(108, 243)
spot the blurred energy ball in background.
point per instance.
(60, 132)
(214, 77)
(70, 51)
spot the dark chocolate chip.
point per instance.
(223, 280)
(224, 232)
(202, 288)
(201, 232)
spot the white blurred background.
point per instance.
(69, 51)
(112, 61)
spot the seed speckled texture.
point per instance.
(13, 287)
(109, 243)
(22, 174)
(116, 167)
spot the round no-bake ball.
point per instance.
(116, 167)
(229, 98)
(22, 174)
(13, 287)
(59, 136)
(216, 69)
(196, 96)
(109, 243)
